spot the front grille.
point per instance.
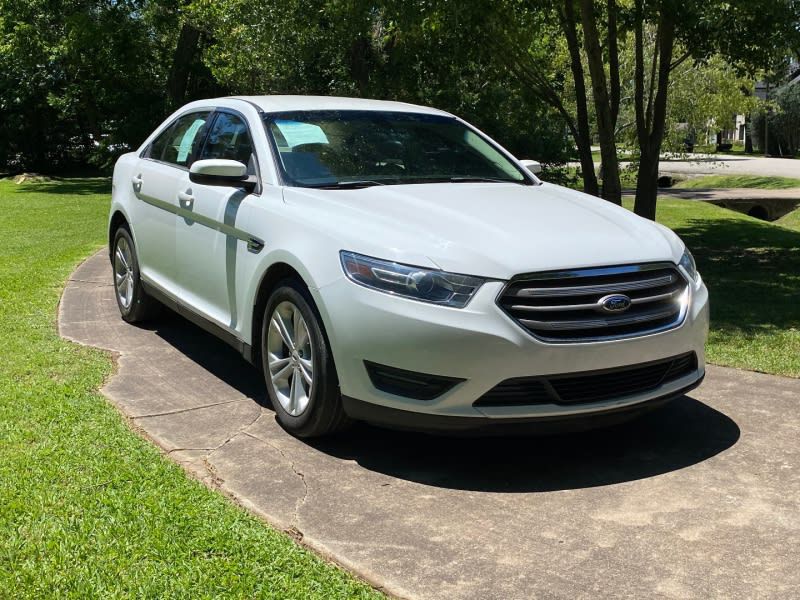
(592, 386)
(585, 305)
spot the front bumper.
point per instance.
(483, 346)
(419, 421)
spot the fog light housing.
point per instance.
(399, 382)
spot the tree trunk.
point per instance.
(651, 121)
(91, 120)
(584, 145)
(647, 186)
(612, 190)
(359, 62)
(182, 59)
(748, 138)
(613, 61)
(583, 137)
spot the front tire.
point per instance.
(298, 366)
(133, 302)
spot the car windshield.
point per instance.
(343, 149)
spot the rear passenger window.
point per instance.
(158, 145)
(180, 143)
(229, 138)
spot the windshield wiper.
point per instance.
(481, 180)
(349, 185)
(364, 183)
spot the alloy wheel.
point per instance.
(290, 358)
(123, 272)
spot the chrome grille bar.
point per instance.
(593, 305)
(576, 290)
(597, 323)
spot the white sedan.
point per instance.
(390, 263)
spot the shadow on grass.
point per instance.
(752, 270)
(75, 186)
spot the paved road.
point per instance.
(698, 500)
(720, 194)
(726, 164)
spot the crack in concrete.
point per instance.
(94, 283)
(178, 411)
(189, 450)
(293, 529)
(216, 480)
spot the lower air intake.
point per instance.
(591, 386)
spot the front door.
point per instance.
(208, 231)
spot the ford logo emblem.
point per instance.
(615, 303)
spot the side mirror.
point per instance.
(534, 166)
(220, 171)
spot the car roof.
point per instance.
(289, 103)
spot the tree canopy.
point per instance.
(84, 80)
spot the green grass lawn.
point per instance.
(752, 270)
(791, 220)
(739, 181)
(87, 507)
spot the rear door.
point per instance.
(210, 232)
(156, 182)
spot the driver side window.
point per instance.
(229, 138)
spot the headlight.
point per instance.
(688, 264)
(426, 285)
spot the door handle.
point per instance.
(136, 180)
(186, 199)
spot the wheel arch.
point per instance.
(283, 264)
(118, 219)
(275, 273)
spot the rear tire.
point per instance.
(134, 304)
(298, 366)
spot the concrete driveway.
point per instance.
(698, 500)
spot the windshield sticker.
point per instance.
(297, 133)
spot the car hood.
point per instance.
(494, 230)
